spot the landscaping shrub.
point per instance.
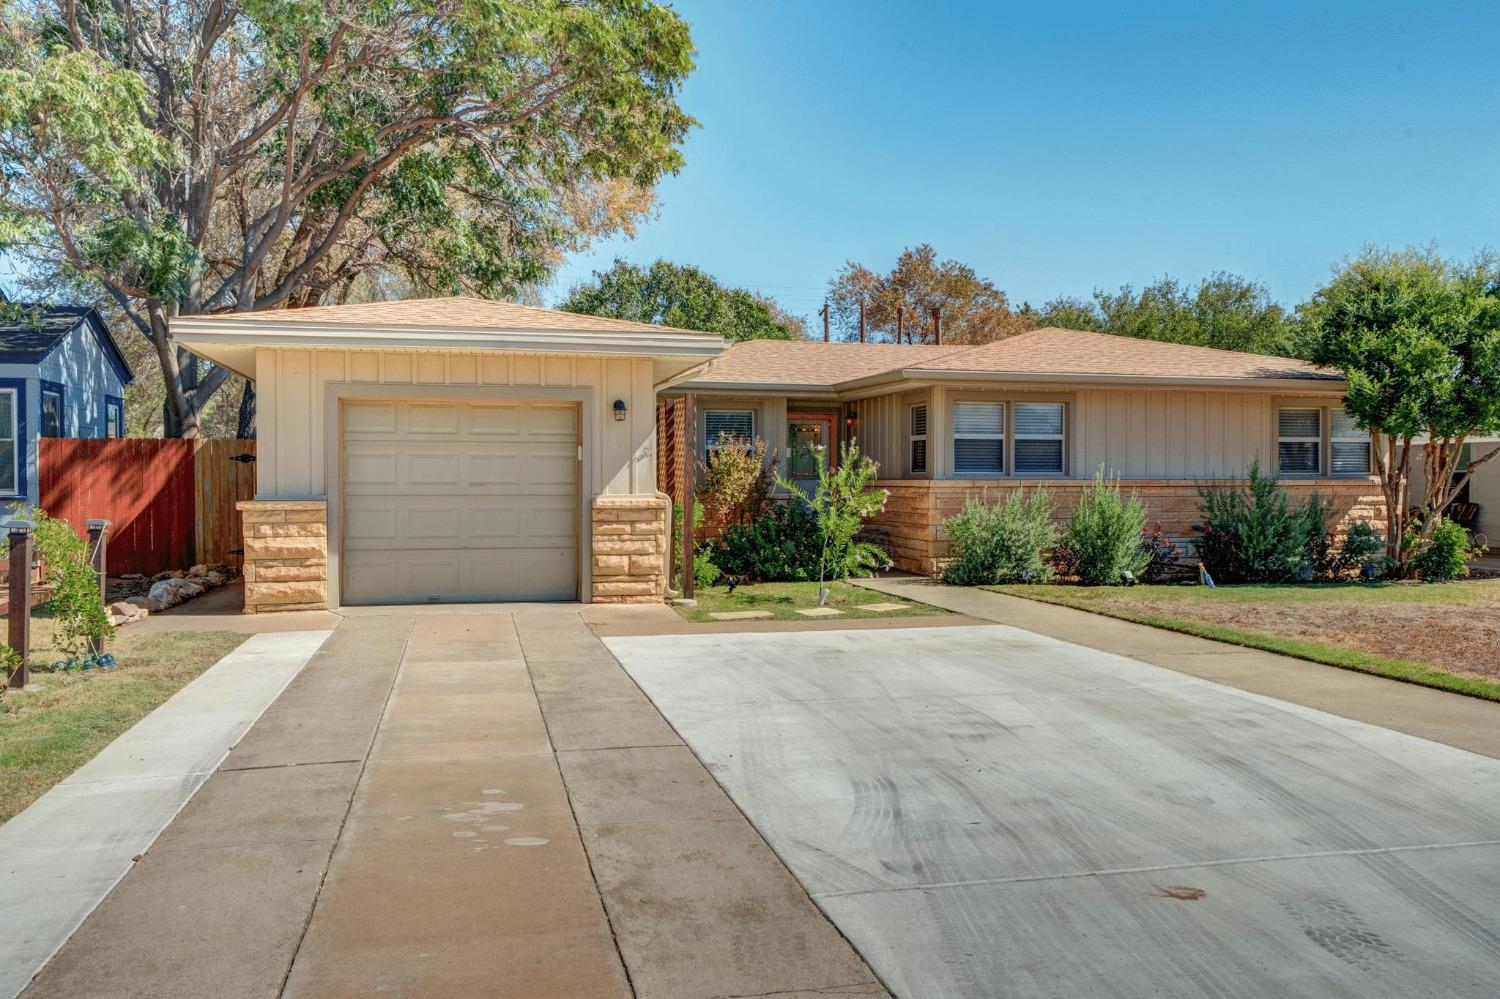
(705, 573)
(76, 603)
(736, 484)
(781, 546)
(1252, 533)
(1103, 539)
(1362, 545)
(1444, 554)
(1163, 557)
(1003, 543)
(844, 499)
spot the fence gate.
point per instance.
(222, 477)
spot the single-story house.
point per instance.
(465, 450)
(61, 375)
(1049, 407)
(451, 450)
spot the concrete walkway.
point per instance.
(450, 804)
(64, 853)
(1466, 722)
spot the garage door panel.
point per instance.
(433, 469)
(442, 420)
(460, 502)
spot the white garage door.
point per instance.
(459, 502)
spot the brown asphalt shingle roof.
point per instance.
(454, 312)
(1047, 352)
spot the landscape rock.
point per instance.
(116, 620)
(171, 592)
(123, 607)
(198, 570)
(147, 604)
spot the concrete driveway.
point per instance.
(985, 811)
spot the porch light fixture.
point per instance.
(619, 410)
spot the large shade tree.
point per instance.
(682, 296)
(972, 308)
(199, 156)
(1418, 339)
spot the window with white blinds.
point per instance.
(1349, 446)
(979, 438)
(1299, 441)
(721, 423)
(1038, 433)
(918, 440)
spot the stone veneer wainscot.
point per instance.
(629, 538)
(286, 555)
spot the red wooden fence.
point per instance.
(143, 487)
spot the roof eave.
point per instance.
(1286, 382)
(207, 333)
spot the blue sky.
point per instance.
(1059, 147)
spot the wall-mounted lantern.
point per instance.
(619, 410)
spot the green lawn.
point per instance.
(1439, 635)
(61, 720)
(783, 600)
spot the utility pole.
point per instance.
(861, 321)
(900, 322)
(824, 313)
(937, 325)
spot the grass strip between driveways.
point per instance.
(62, 720)
(783, 600)
(1328, 655)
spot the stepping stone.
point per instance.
(883, 608)
(739, 615)
(820, 612)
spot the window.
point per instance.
(9, 415)
(114, 418)
(1349, 446)
(979, 438)
(918, 440)
(1299, 441)
(1039, 438)
(719, 424)
(52, 411)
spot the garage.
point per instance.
(460, 501)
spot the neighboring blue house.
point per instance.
(61, 375)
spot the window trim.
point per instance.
(114, 404)
(912, 437)
(52, 388)
(1003, 437)
(1066, 400)
(1320, 441)
(17, 389)
(1061, 437)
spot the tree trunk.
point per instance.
(246, 428)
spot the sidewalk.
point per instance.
(1465, 722)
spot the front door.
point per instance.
(810, 443)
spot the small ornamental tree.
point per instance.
(1418, 339)
(844, 499)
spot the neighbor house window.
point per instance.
(114, 418)
(720, 425)
(919, 440)
(1349, 446)
(9, 450)
(52, 412)
(1299, 441)
(1039, 438)
(979, 438)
